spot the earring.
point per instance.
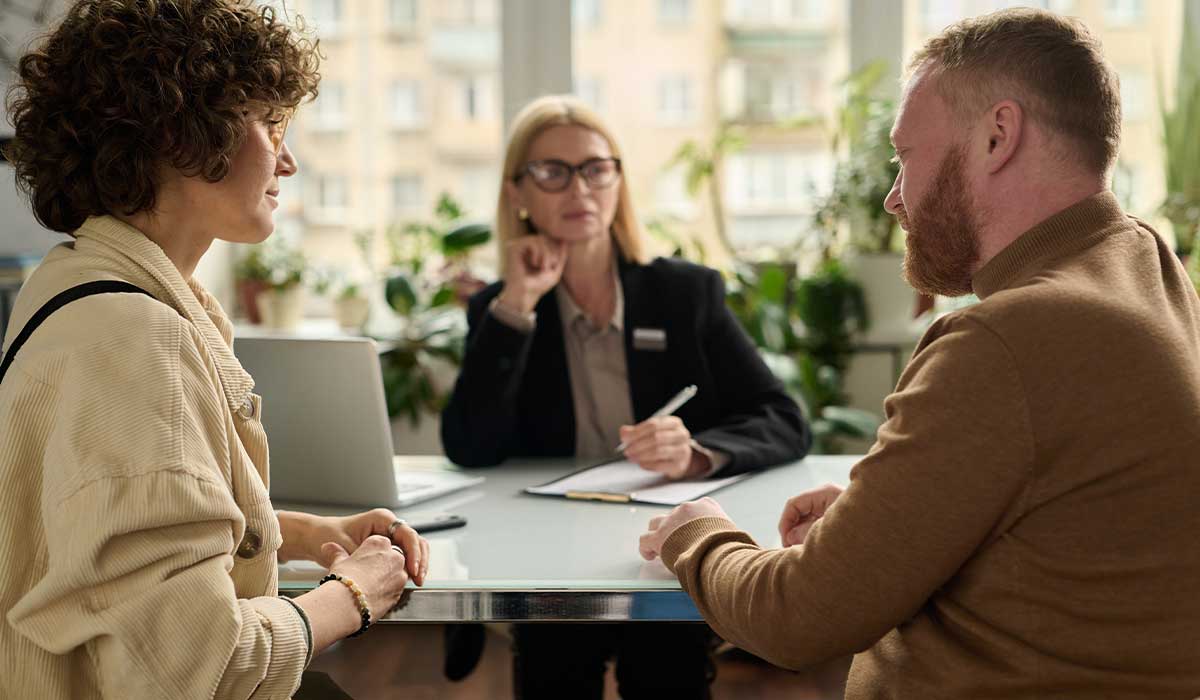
(523, 214)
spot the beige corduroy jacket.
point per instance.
(137, 540)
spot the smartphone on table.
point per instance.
(432, 522)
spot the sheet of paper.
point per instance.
(627, 478)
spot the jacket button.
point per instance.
(247, 409)
(251, 545)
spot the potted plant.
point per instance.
(251, 276)
(351, 307)
(427, 287)
(803, 326)
(271, 277)
(854, 209)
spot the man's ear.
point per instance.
(1004, 129)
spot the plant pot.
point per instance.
(281, 309)
(351, 312)
(890, 300)
(247, 295)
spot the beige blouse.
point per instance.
(137, 538)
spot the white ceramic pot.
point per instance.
(351, 312)
(282, 309)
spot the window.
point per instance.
(329, 110)
(586, 14)
(478, 190)
(777, 13)
(674, 12)
(402, 15)
(780, 180)
(406, 112)
(1134, 94)
(675, 100)
(591, 91)
(326, 17)
(1124, 184)
(1062, 7)
(475, 98)
(331, 194)
(407, 193)
(471, 12)
(771, 193)
(1123, 13)
(777, 93)
(671, 196)
(936, 15)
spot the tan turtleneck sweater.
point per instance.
(1028, 522)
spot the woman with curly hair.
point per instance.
(138, 541)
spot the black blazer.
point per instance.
(513, 395)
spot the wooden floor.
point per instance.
(405, 661)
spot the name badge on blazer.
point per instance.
(650, 339)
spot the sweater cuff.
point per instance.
(289, 646)
(690, 533)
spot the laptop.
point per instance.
(327, 426)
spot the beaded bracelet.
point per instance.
(360, 598)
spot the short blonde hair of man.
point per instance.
(537, 116)
(1051, 65)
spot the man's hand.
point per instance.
(660, 528)
(802, 511)
(663, 445)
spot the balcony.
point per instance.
(465, 46)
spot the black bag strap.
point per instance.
(60, 300)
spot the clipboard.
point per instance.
(622, 481)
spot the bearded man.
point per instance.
(1026, 524)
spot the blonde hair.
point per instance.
(538, 116)
(1050, 64)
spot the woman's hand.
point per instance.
(663, 445)
(376, 567)
(360, 548)
(305, 536)
(534, 264)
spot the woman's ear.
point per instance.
(515, 199)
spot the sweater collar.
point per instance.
(150, 268)
(1072, 228)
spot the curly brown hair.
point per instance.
(123, 88)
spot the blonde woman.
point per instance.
(138, 540)
(570, 354)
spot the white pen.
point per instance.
(670, 407)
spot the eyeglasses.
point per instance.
(276, 128)
(556, 176)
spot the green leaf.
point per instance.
(448, 208)
(442, 297)
(773, 283)
(400, 294)
(465, 238)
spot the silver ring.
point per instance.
(392, 528)
(401, 551)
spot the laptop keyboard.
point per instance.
(412, 486)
